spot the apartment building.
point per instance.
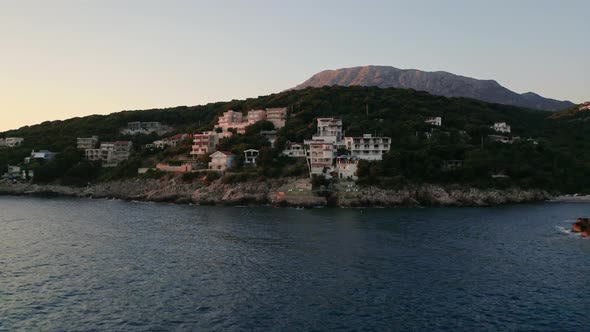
(320, 156)
(329, 130)
(204, 143)
(368, 147)
(84, 143)
(294, 150)
(501, 127)
(110, 153)
(278, 116)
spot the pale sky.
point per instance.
(61, 59)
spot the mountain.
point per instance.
(438, 83)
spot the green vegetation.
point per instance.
(559, 161)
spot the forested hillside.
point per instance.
(559, 161)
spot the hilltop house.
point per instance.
(236, 120)
(222, 161)
(84, 143)
(250, 157)
(11, 142)
(204, 143)
(135, 128)
(434, 121)
(368, 147)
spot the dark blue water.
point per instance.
(109, 265)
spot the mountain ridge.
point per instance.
(440, 83)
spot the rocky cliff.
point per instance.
(269, 192)
(437, 83)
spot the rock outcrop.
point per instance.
(582, 225)
(270, 193)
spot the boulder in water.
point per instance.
(582, 225)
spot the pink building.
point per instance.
(278, 116)
(255, 116)
(204, 143)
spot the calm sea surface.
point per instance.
(108, 265)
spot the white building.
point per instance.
(222, 161)
(368, 147)
(110, 153)
(170, 142)
(204, 143)
(347, 166)
(501, 127)
(294, 150)
(329, 130)
(84, 143)
(250, 157)
(434, 121)
(320, 156)
(41, 155)
(278, 116)
(11, 142)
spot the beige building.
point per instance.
(329, 130)
(278, 116)
(347, 166)
(110, 153)
(222, 161)
(320, 156)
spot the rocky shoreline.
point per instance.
(273, 193)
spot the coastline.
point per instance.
(273, 193)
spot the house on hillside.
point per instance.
(11, 142)
(222, 161)
(250, 157)
(320, 156)
(110, 153)
(434, 121)
(278, 116)
(41, 155)
(294, 150)
(84, 143)
(329, 130)
(501, 127)
(204, 143)
(347, 166)
(368, 147)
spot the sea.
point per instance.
(109, 265)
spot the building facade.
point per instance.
(294, 150)
(434, 121)
(329, 130)
(11, 142)
(222, 161)
(84, 143)
(502, 127)
(205, 143)
(347, 167)
(250, 157)
(368, 147)
(278, 116)
(320, 156)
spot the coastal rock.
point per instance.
(582, 225)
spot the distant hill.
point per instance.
(438, 83)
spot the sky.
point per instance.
(61, 59)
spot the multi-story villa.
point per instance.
(250, 157)
(368, 147)
(320, 156)
(231, 119)
(278, 116)
(434, 120)
(501, 127)
(40, 155)
(294, 150)
(84, 143)
(110, 153)
(222, 161)
(329, 130)
(347, 166)
(204, 143)
(255, 116)
(11, 142)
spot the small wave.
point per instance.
(563, 230)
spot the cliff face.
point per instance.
(262, 193)
(437, 83)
